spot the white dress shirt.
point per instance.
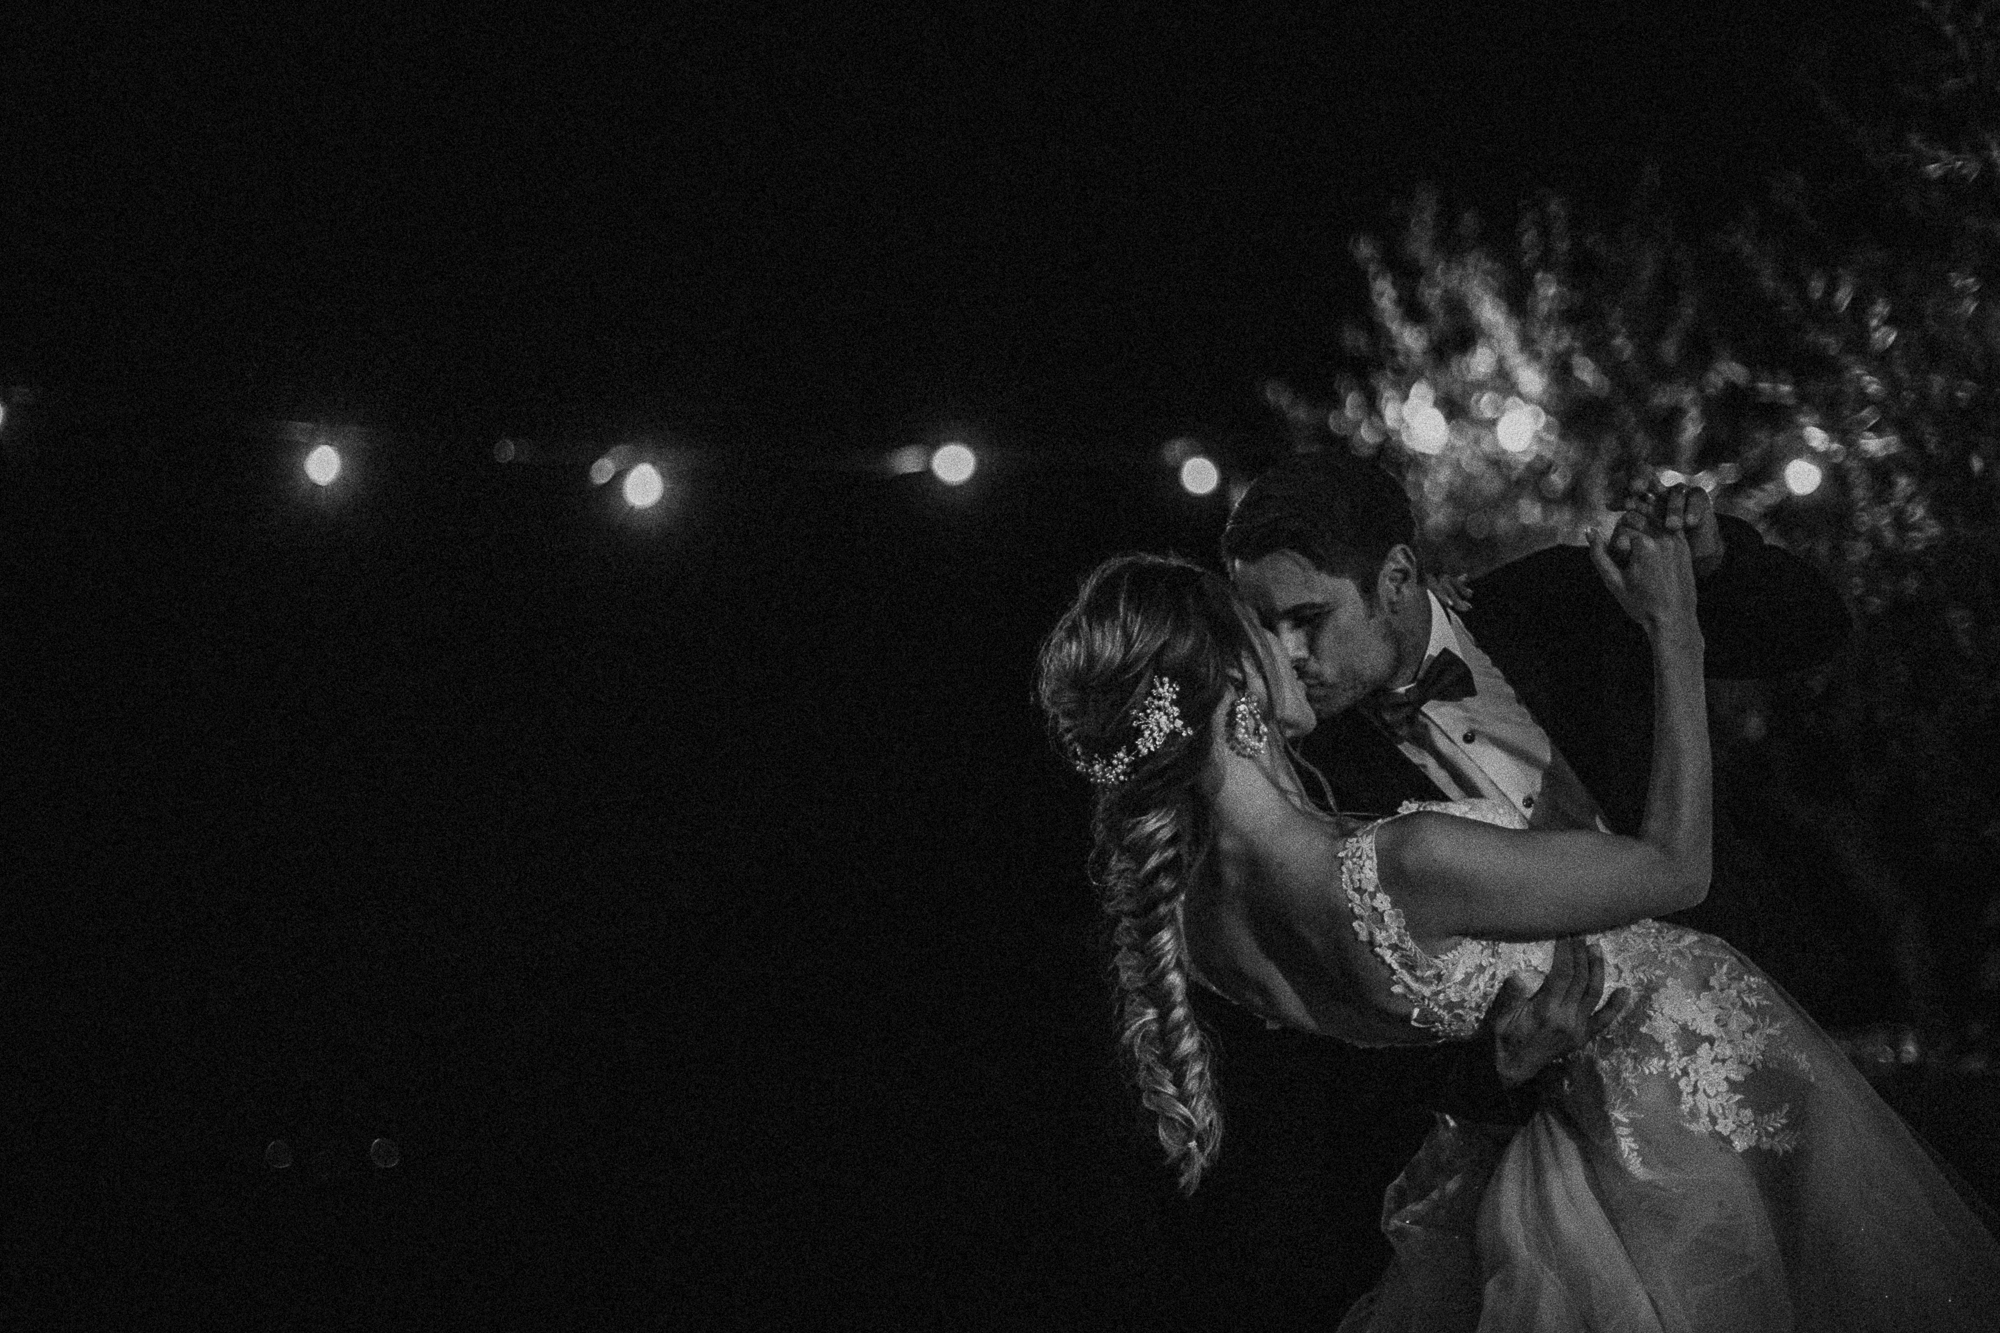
(1489, 745)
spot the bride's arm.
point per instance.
(1459, 877)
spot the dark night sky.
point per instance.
(696, 903)
(847, 225)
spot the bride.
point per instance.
(1709, 1161)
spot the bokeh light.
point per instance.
(1424, 427)
(603, 470)
(1518, 424)
(644, 486)
(323, 465)
(910, 458)
(953, 464)
(1803, 476)
(1199, 476)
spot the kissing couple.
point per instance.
(1356, 808)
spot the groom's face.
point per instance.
(1342, 647)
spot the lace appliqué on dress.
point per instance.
(1703, 1020)
(1449, 995)
(1379, 924)
(1713, 1024)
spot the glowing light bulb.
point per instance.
(323, 465)
(1424, 428)
(1199, 476)
(644, 486)
(953, 464)
(1803, 476)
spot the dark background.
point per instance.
(690, 897)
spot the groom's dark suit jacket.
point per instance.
(1585, 671)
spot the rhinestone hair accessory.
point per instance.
(1159, 717)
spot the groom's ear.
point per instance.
(1398, 577)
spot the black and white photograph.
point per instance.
(1179, 667)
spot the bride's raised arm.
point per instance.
(1459, 877)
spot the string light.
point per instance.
(953, 464)
(644, 486)
(1199, 476)
(323, 465)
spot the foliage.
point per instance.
(1828, 368)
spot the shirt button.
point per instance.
(1527, 802)
(1469, 737)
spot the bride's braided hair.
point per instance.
(1140, 619)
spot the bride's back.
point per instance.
(1268, 927)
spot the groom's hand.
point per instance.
(1531, 1032)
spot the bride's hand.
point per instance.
(1454, 590)
(1651, 573)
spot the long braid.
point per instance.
(1140, 622)
(1144, 867)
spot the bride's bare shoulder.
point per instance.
(1409, 846)
(1412, 829)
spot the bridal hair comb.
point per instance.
(1159, 717)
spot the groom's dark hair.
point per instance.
(1340, 512)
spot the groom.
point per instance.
(1538, 695)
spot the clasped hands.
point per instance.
(1665, 510)
(1649, 507)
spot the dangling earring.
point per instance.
(1246, 733)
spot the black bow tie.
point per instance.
(1445, 676)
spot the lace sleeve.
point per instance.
(1378, 923)
(1448, 994)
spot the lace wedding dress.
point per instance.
(1710, 1163)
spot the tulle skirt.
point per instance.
(1655, 1194)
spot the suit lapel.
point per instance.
(1368, 773)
